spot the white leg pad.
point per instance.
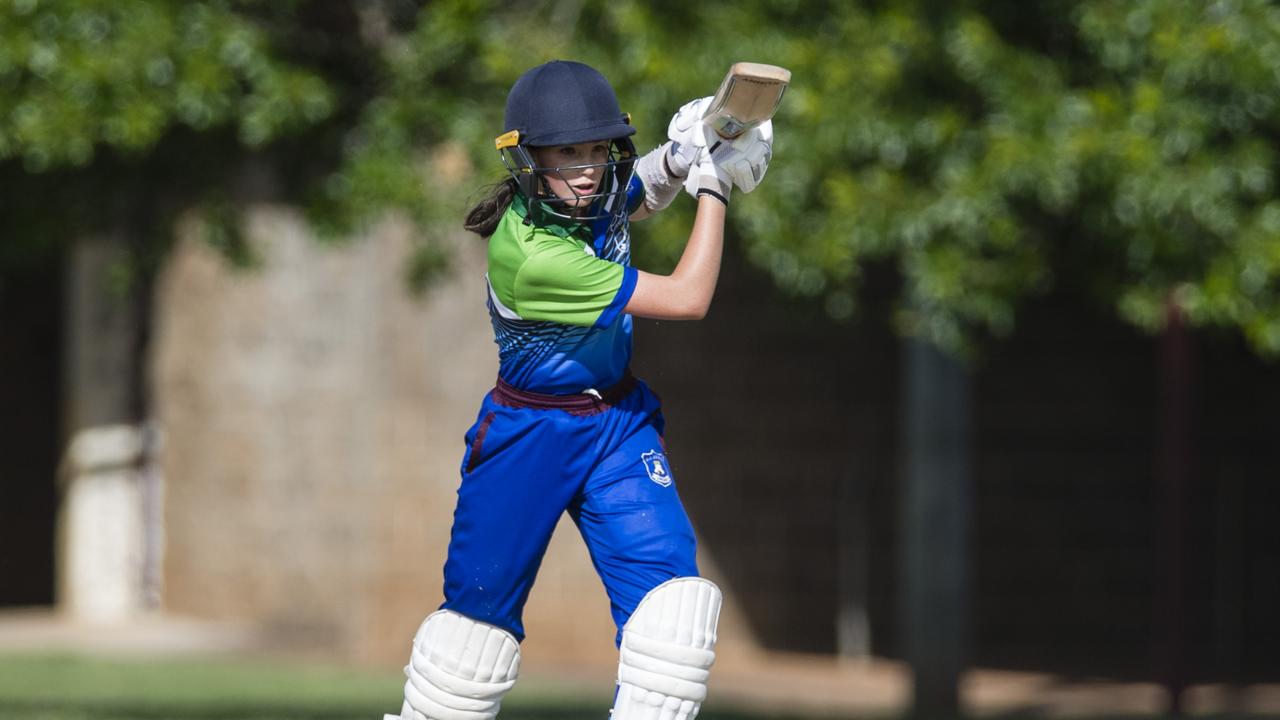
(460, 669)
(668, 646)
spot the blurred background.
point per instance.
(982, 420)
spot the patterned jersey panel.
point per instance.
(556, 293)
(611, 235)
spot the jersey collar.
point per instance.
(559, 227)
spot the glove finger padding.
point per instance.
(681, 157)
(665, 169)
(688, 136)
(686, 126)
(755, 150)
(742, 161)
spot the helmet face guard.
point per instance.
(609, 198)
(559, 103)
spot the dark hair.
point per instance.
(483, 218)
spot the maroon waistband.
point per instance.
(583, 403)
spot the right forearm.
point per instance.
(699, 268)
(686, 293)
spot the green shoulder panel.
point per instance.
(506, 255)
(540, 275)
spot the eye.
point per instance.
(568, 151)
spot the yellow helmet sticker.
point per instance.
(507, 139)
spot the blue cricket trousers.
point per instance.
(531, 457)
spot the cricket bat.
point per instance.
(748, 96)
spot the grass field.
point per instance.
(72, 687)
(46, 686)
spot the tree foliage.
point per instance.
(79, 75)
(117, 111)
(988, 150)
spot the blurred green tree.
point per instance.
(988, 150)
(116, 115)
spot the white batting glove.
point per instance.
(742, 162)
(666, 168)
(688, 136)
(711, 174)
(756, 149)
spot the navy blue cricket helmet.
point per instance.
(562, 102)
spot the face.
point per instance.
(571, 184)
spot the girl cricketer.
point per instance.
(567, 427)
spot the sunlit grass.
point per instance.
(49, 686)
(67, 687)
(75, 687)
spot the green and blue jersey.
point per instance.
(556, 293)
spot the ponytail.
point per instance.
(483, 218)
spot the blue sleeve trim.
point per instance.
(629, 277)
(635, 194)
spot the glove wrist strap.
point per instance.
(714, 194)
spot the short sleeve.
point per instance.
(561, 282)
(635, 193)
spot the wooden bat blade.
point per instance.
(748, 95)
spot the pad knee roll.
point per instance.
(667, 650)
(460, 669)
